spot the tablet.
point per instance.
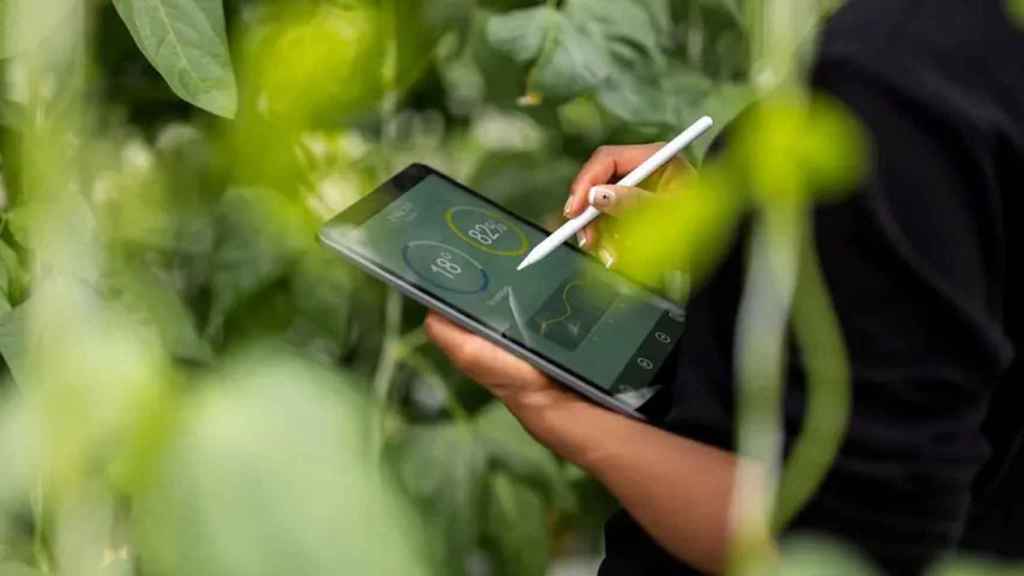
(456, 252)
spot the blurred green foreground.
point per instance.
(192, 386)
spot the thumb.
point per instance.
(616, 199)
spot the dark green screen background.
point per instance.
(566, 307)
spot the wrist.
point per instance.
(573, 428)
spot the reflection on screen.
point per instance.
(566, 307)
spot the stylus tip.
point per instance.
(530, 259)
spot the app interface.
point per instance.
(567, 307)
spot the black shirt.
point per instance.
(920, 264)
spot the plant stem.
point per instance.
(385, 372)
(761, 359)
(827, 413)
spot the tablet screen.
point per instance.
(463, 250)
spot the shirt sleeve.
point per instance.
(906, 262)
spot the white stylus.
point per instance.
(638, 175)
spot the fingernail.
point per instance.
(602, 196)
(568, 206)
(607, 258)
(581, 239)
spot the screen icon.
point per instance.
(445, 267)
(487, 231)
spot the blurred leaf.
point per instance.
(418, 26)
(10, 568)
(12, 343)
(821, 557)
(36, 20)
(262, 235)
(152, 298)
(13, 277)
(268, 475)
(575, 50)
(824, 147)
(514, 181)
(521, 34)
(492, 469)
(660, 13)
(731, 7)
(688, 226)
(671, 100)
(1017, 10)
(517, 527)
(442, 466)
(725, 102)
(511, 449)
(11, 113)
(186, 42)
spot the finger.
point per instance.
(589, 237)
(616, 199)
(607, 254)
(604, 165)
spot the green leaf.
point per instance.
(36, 21)
(825, 148)
(268, 474)
(572, 63)
(12, 276)
(442, 467)
(723, 103)
(731, 7)
(150, 297)
(418, 26)
(11, 114)
(570, 59)
(186, 42)
(671, 100)
(521, 34)
(12, 342)
(586, 47)
(822, 557)
(1016, 8)
(11, 568)
(660, 13)
(262, 234)
(627, 28)
(511, 449)
(517, 527)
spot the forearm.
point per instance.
(677, 489)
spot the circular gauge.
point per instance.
(445, 267)
(487, 231)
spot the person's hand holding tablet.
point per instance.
(650, 471)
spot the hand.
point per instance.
(591, 185)
(523, 388)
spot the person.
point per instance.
(920, 267)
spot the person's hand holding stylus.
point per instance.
(592, 187)
(645, 169)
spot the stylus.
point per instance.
(638, 175)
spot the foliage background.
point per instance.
(192, 385)
(201, 235)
